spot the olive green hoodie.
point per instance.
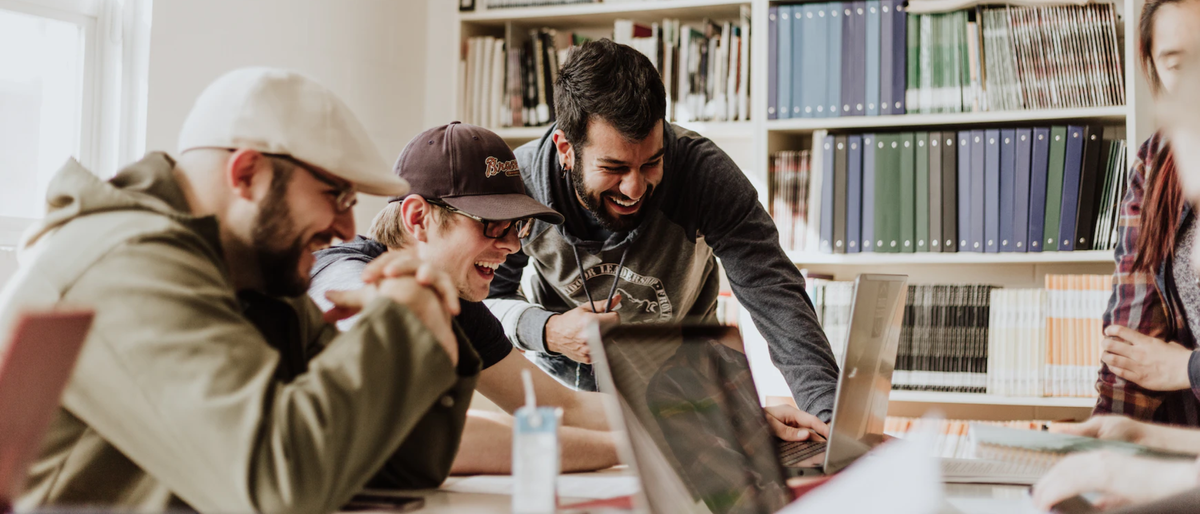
(176, 401)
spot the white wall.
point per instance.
(370, 52)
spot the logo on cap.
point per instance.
(495, 167)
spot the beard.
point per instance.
(279, 267)
(594, 202)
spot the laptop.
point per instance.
(35, 364)
(698, 436)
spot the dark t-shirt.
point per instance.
(340, 267)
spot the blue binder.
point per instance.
(1008, 152)
(800, 60)
(827, 179)
(868, 193)
(978, 189)
(772, 63)
(784, 85)
(1021, 167)
(860, 57)
(821, 58)
(873, 72)
(848, 63)
(833, 64)
(899, 55)
(812, 60)
(854, 190)
(991, 191)
(1040, 166)
(886, 27)
(964, 191)
(1072, 168)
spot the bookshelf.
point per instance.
(751, 143)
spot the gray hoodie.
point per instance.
(705, 208)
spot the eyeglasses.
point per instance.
(346, 197)
(493, 229)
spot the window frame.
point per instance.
(116, 53)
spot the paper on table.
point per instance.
(976, 471)
(585, 486)
(901, 476)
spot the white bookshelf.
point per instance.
(907, 121)
(953, 258)
(751, 143)
(604, 13)
(989, 399)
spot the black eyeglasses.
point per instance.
(346, 197)
(493, 229)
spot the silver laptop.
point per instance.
(698, 435)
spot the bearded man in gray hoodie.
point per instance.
(649, 208)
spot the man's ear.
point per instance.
(247, 169)
(416, 216)
(566, 151)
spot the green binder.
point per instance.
(908, 198)
(887, 205)
(922, 202)
(1054, 185)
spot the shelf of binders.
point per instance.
(875, 259)
(910, 121)
(989, 399)
(606, 13)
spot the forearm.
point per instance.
(1171, 438)
(487, 447)
(586, 411)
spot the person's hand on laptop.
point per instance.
(1120, 428)
(566, 333)
(792, 424)
(1121, 479)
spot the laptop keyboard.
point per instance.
(792, 453)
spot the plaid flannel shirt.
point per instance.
(1148, 303)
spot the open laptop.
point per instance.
(35, 364)
(698, 434)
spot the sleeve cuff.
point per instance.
(531, 330)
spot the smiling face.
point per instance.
(296, 217)
(456, 245)
(614, 177)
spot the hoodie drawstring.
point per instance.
(611, 292)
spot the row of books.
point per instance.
(836, 59)
(831, 303)
(954, 440)
(508, 4)
(872, 58)
(1046, 342)
(943, 339)
(1035, 189)
(1014, 58)
(512, 86)
(705, 69)
(976, 338)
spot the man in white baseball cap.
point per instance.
(209, 379)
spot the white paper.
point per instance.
(899, 477)
(582, 486)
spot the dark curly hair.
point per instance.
(612, 82)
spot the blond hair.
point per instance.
(387, 228)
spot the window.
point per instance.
(72, 84)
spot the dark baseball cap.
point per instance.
(471, 169)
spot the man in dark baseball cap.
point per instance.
(465, 214)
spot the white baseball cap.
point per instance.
(283, 112)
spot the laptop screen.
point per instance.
(694, 419)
